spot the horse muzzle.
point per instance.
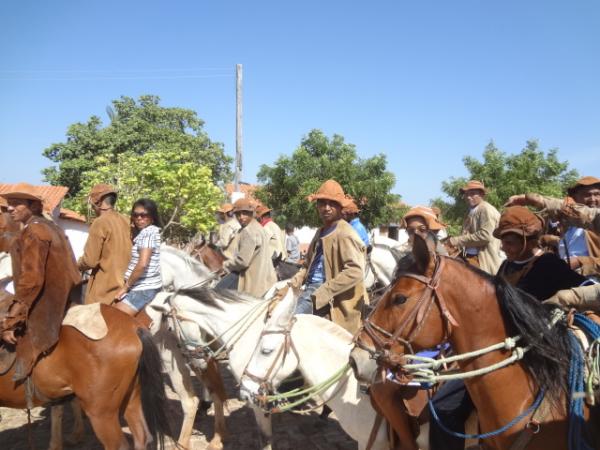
(363, 365)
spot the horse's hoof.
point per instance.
(215, 446)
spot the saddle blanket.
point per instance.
(88, 320)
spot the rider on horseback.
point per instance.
(44, 272)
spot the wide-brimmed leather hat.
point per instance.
(261, 210)
(585, 181)
(23, 191)
(330, 190)
(351, 207)
(225, 208)
(427, 214)
(244, 204)
(473, 184)
(99, 191)
(519, 220)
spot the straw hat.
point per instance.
(585, 181)
(261, 210)
(99, 191)
(519, 220)
(473, 184)
(225, 208)
(427, 214)
(244, 204)
(330, 190)
(23, 191)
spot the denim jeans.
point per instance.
(305, 303)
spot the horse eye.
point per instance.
(266, 351)
(399, 299)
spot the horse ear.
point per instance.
(422, 252)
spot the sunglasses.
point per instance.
(140, 215)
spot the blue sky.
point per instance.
(425, 82)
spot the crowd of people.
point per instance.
(552, 254)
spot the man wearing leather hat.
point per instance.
(108, 247)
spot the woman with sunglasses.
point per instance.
(142, 278)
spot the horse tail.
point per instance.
(154, 397)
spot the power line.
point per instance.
(164, 77)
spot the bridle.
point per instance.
(265, 382)
(384, 340)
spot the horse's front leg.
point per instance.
(56, 416)
(211, 379)
(76, 436)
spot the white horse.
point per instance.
(318, 348)
(382, 259)
(238, 320)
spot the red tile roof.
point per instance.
(246, 188)
(52, 195)
(69, 214)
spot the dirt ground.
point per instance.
(293, 431)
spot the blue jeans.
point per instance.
(305, 303)
(138, 299)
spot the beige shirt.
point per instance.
(274, 234)
(477, 233)
(252, 260)
(106, 253)
(228, 236)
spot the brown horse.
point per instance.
(210, 257)
(438, 299)
(121, 372)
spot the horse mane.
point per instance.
(215, 297)
(548, 359)
(192, 263)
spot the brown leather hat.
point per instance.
(261, 210)
(24, 191)
(585, 181)
(519, 220)
(474, 184)
(3, 202)
(244, 204)
(99, 191)
(330, 190)
(427, 214)
(351, 207)
(225, 208)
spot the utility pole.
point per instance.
(238, 127)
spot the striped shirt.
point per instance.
(148, 237)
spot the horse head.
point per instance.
(411, 316)
(275, 356)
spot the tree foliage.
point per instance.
(136, 127)
(182, 188)
(286, 184)
(531, 170)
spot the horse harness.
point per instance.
(384, 340)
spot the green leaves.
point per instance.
(135, 127)
(183, 189)
(318, 158)
(531, 170)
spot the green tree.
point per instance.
(531, 170)
(182, 188)
(286, 184)
(136, 127)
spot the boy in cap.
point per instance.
(108, 247)
(44, 274)
(478, 245)
(350, 213)
(252, 257)
(335, 264)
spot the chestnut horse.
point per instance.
(438, 299)
(209, 256)
(121, 372)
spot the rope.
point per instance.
(577, 382)
(306, 394)
(500, 430)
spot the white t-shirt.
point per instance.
(148, 237)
